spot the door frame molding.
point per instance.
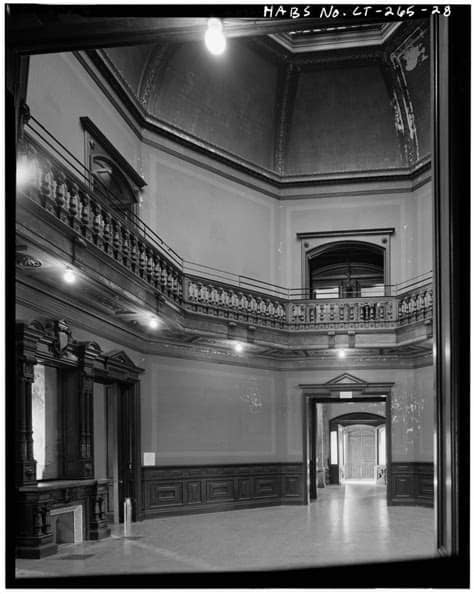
(327, 393)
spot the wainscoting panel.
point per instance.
(194, 489)
(411, 483)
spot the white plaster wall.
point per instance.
(209, 219)
(202, 413)
(425, 399)
(60, 92)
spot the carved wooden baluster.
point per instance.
(331, 312)
(106, 233)
(96, 224)
(116, 240)
(133, 253)
(381, 314)
(172, 286)
(164, 274)
(192, 291)
(169, 279)
(74, 207)
(175, 284)
(47, 186)
(341, 308)
(401, 309)
(211, 294)
(390, 310)
(351, 312)
(85, 215)
(141, 259)
(180, 286)
(156, 270)
(149, 264)
(60, 196)
(125, 247)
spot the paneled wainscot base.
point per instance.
(195, 489)
(411, 483)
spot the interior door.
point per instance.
(313, 460)
(126, 449)
(360, 453)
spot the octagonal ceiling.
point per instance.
(293, 105)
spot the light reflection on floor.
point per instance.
(346, 524)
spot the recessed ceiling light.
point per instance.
(214, 37)
(69, 276)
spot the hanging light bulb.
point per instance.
(214, 37)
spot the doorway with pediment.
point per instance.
(346, 434)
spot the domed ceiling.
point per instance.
(298, 105)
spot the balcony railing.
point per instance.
(62, 186)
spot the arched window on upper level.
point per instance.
(346, 269)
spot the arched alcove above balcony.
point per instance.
(344, 269)
(346, 263)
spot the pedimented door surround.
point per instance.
(80, 364)
(330, 391)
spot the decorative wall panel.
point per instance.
(411, 483)
(216, 487)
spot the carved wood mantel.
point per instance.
(80, 363)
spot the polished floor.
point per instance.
(347, 524)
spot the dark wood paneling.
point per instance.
(194, 492)
(267, 487)
(165, 494)
(220, 490)
(411, 483)
(194, 489)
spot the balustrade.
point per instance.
(128, 243)
(235, 303)
(343, 312)
(77, 206)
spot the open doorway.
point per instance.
(346, 440)
(357, 448)
(116, 447)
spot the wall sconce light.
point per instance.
(341, 353)
(238, 347)
(153, 323)
(69, 276)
